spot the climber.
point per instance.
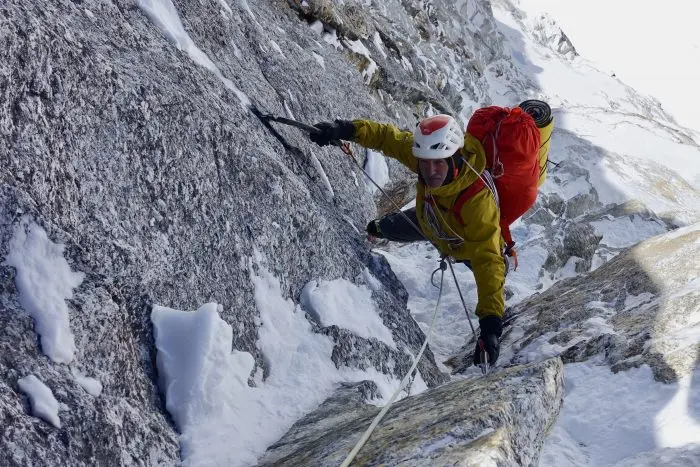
(456, 203)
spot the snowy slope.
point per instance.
(652, 48)
(629, 153)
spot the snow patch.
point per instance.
(321, 61)
(317, 27)
(223, 420)
(331, 37)
(91, 385)
(634, 301)
(289, 112)
(44, 281)
(376, 167)
(623, 232)
(348, 306)
(370, 280)
(277, 48)
(44, 404)
(378, 43)
(200, 375)
(633, 414)
(324, 178)
(359, 48)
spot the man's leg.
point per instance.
(506, 261)
(396, 227)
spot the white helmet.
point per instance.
(437, 137)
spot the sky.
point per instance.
(221, 418)
(653, 47)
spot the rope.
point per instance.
(483, 355)
(488, 181)
(461, 297)
(437, 228)
(404, 382)
(347, 150)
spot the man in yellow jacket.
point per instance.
(447, 162)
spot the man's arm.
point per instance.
(387, 138)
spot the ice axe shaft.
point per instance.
(295, 123)
(288, 121)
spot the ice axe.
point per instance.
(266, 118)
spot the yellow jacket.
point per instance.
(481, 231)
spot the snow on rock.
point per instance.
(634, 414)
(165, 17)
(161, 184)
(330, 193)
(642, 307)
(199, 375)
(626, 231)
(368, 278)
(44, 404)
(346, 305)
(45, 281)
(321, 61)
(368, 68)
(221, 418)
(91, 385)
(376, 167)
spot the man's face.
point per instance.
(434, 172)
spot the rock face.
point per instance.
(161, 184)
(127, 423)
(497, 420)
(637, 309)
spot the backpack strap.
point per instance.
(485, 180)
(466, 194)
(471, 191)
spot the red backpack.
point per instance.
(512, 141)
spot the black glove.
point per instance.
(373, 228)
(491, 330)
(332, 131)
